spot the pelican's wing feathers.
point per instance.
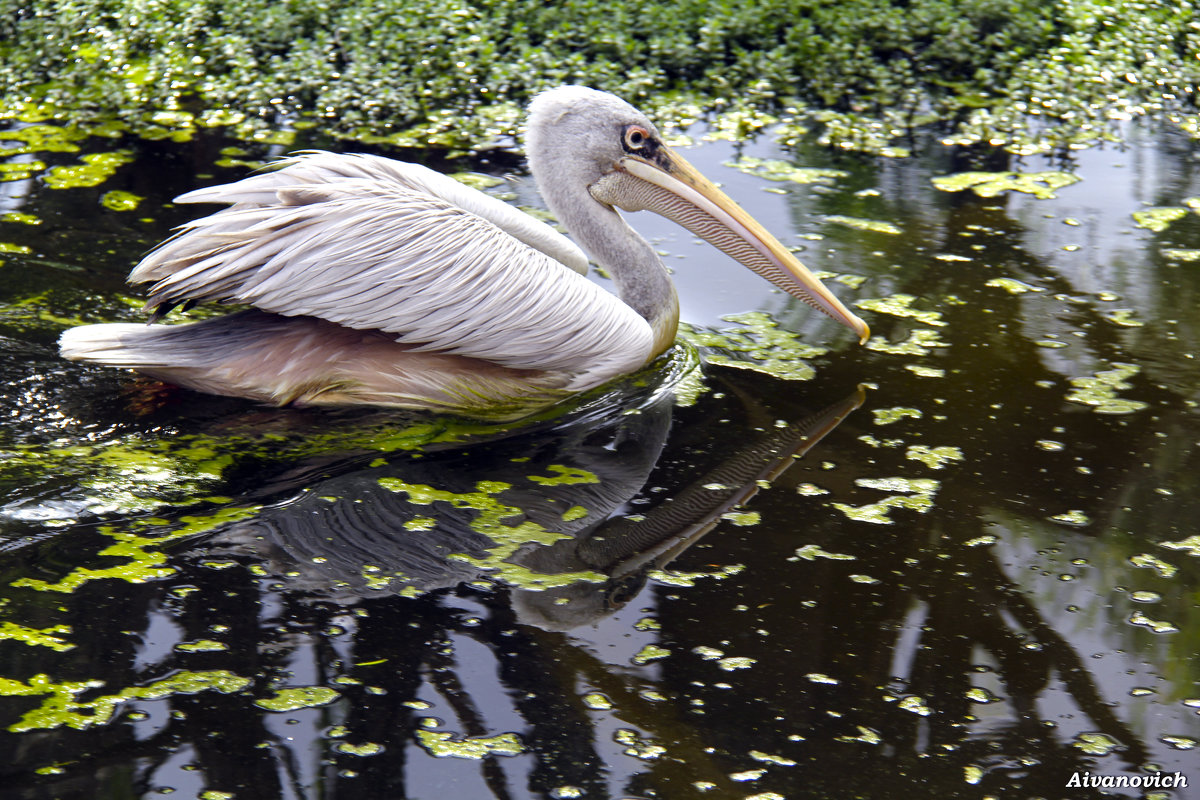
(374, 248)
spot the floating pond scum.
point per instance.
(960, 561)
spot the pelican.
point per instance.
(379, 282)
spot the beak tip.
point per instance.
(863, 330)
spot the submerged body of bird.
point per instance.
(379, 282)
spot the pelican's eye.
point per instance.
(636, 137)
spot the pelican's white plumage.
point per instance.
(372, 248)
(378, 281)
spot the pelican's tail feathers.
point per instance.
(190, 355)
(127, 344)
(306, 361)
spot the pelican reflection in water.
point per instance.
(379, 282)
(569, 552)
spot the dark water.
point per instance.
(975, 576)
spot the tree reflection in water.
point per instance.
(417, 611)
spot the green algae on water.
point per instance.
(811, 551)
(1074, 518)
(638, 746)
(742, 519)
(1150, 562)
(672, 577)
(1124, 318)
(477, 180)
(1041, 185)
(901, 305)
(758, 344)
(95, 170)
(201, 646)
(887, 416)
(119, 200)
(295, 698)
(574, 513)
(598, 701)
(769, 758)
(934, 457)
(650, 653)
(566, 476)
(776, 170)
(21, 218)
(1013, 286)
(859, 224)
(736, 124)
(916, 495)
(865, 735)
(61, 708)
(19, 170)
(1153, 625)
(920, 342)
(361, 750)
(1096, 744)
(442, 744)
(1190, 545)
(142, 558)
(36, 637)
(1100, 391)
(1158, 218)
(504, 525)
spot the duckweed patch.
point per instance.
(142, 557)
(1153, 625)
(1041, 185)
(1013, 286)
(1174, 254)
(650, 653)
(637, 745)
(19, 170)
(887, 416)
(670, 577)
(859, 224)
(20, 218)
(1100, 391)
(504, 525)
(1158, 218)
(36, 637)
(1148, 561)
(919, 343)
(758, 343)
(811, 551)
(442, 744)
(1190, 545)
(63, 708)
(934, 457)
(916, 494)
(141, 472)
(297, 697)
(565, 476)
(776, 170)
(901, 305)
(118, 200)
(95, 170)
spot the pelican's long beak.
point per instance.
(665, 183)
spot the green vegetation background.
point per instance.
(1025, 73)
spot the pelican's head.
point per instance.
(580, 138)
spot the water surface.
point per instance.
(960, 561)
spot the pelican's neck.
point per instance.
(641, 279)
